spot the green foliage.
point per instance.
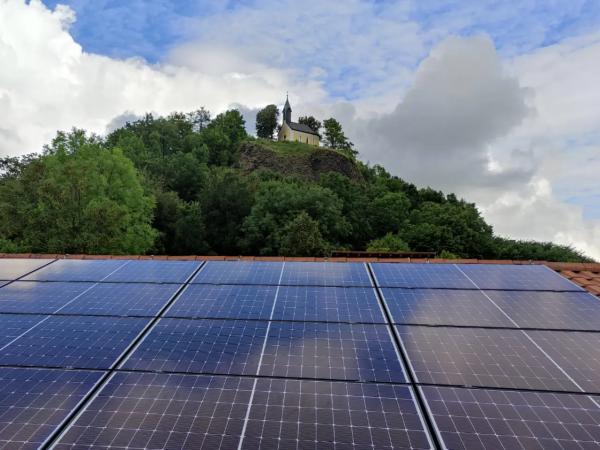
(389, 213)
(301, 236)
(266, 121)
(541, 251)
(312, 123)
(445, 254)
(335, 137)
(389, 243)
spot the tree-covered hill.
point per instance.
(186, 184)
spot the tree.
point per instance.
(389, 213)
(388, 243)
(312, 123)
(335, 137)
(266, 121)
(301, 237)
(199, 118)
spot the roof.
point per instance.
(415, 353)
(302, 128)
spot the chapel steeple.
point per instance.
(287, 111)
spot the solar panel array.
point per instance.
(186, 354)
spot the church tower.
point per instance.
(292, 131)
(287, 111)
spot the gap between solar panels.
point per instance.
(64, 426)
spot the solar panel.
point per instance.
(12, 326)
(122, 299)
(325, 274)
(224, 301)
(578, 353)
(480, 357)
(13, 268)
(73, 342)
(330, 304)
(517, 277)
(495, 419)
(41, 298)
(33, 402)
(443, 307)
(201, 346)
(318, 414)
(77, 270)
(148, 271)
(239, 272)
(331, 351)
(553, 310)
(148, 410)
(440, 276)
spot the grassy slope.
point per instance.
(296, 148)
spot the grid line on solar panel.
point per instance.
(443, 307)
(337, 351)
(239, 272)
(328, 304)
(549, 310)
(82, 342)
(36, 297)
(200, 346)
(224, 302)
(142, 410)
(320, 414)
(578, 353)
(516, 277)
(33, 402)
(15, 268)
(420, 275)
(148, 271)
(480, 357)
(482, 419)
(325, 274)
(77, 270)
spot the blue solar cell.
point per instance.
(332, 351)
(239, 272)
(551, 310)
(122, 299)
(201, 346)
(144, 410)
(480, 357)
(224, 302)
(494, 419)
(517, 277)
(430, 276)
(13, 268)
(325, 274)
(148, 271)
(12, 326)
(305, 414)
(329, 304)
(578, 353)
(73, 342)
(33, 402)
(76, 270)
(41, 298)
(443, 307)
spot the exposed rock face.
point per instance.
(309, 165)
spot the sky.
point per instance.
(497, 101)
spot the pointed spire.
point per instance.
(287, 110)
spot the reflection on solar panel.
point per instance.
(72, 342)
(325, 274)
(317, 414)
(224, 301)
(526, 277)
(76, 270)
(143, 410)
(480, 357)
(201, 346)
(551, 310)
(441, 276)
(331, 351)
(494, 419)
(240, 272)
(148, 271)
(34, 401)
(296, 355)
(13, 268)
(443, 307)
(330, 304)
(577, 353)
(41, 298)
(122, 299)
